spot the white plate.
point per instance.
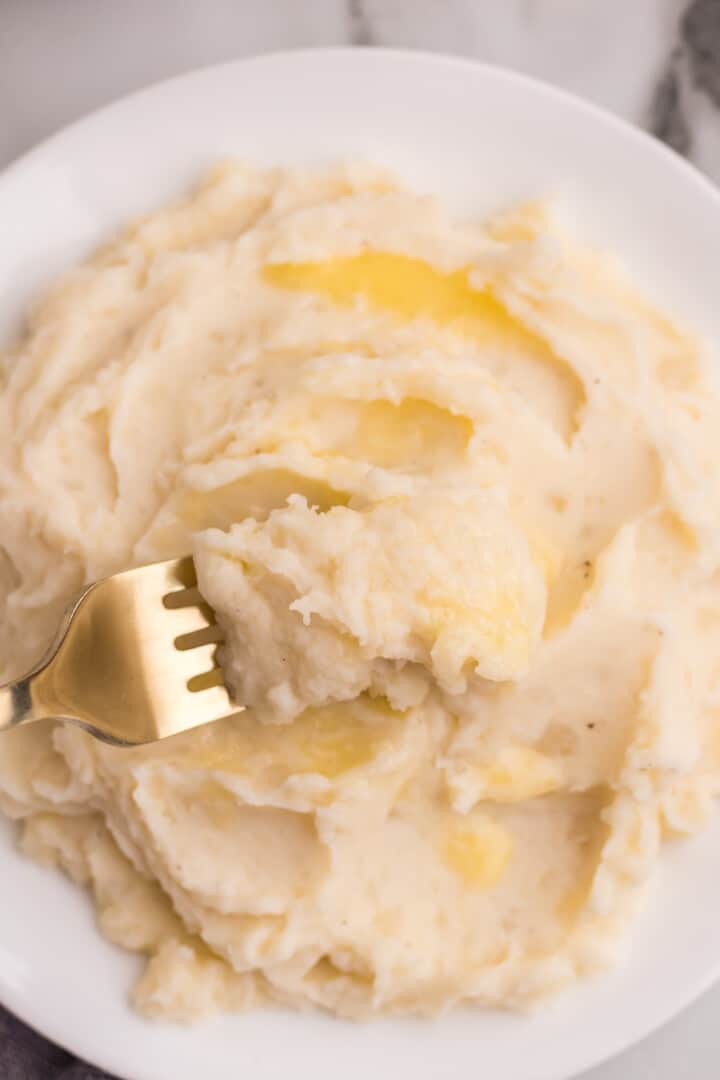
(482, 138)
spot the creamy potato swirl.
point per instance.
(454, 490)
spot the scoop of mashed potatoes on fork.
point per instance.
(405, 595)
(453, 492)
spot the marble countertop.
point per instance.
(654, 62)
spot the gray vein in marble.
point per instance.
(683, 111)
(667, 115)
(360, 28)
(701, 36)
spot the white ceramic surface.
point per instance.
(481, 138)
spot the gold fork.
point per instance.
(134, 661)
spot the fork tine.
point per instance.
(202, 706)
(207, 680)
(201, 659)
(205, 636)
(182, 598)
(187, 620)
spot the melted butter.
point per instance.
(590, 834)
(411, 432)
(254, 495)
(478, 851)
(519, 773)
(545, 554)
(410, 288)
(328, 741)
(480, 620)
(333, 740)
(567, 593)
(220, 806)
(572, 902)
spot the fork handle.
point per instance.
(16, 704)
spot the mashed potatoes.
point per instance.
(454, 492)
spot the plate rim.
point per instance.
(532, 82)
